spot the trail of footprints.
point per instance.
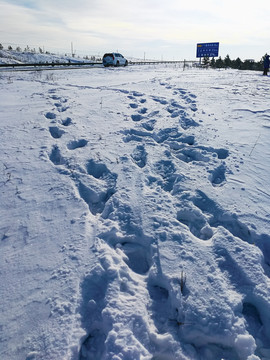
(194, 210)
(94, 182)
(96, 185)
(182, 146)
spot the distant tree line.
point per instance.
(226, 63)
(27, 49)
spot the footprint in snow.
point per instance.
(182, 91)
(149, 125)
(56, 157)
(198, 153)
(196, 222)
(160, 100)
(192, 154)
(50, 115)
(136, 117)
(62, 108)
(185, 121)
(217, 176)
(170, 180)
(139, 156)
(133, 105)
(58, 98)
(67, 121)
(93, 290)
(143, 110)
(138, 135)
(138, 257)
(137, 93)
(217, 216)
(95, 186)
(55, 132)
(167, 134)
(98, 170)
(75, 144)
(55, 97)
(97, 192)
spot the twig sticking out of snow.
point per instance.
(255, 144)
(183, 279)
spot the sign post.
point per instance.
(207, 49)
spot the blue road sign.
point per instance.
(207, 49)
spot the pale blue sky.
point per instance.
(168, 29)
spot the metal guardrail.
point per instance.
(49, 64)
(82, 64)
(154, 62)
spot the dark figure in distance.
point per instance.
(266, 64)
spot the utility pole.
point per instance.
(72, 50)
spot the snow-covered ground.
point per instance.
(21, 57)
(134, 214)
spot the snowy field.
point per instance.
(134, 219)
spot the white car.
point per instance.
(114, 59)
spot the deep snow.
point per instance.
(135, 214)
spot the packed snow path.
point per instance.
(135, 215)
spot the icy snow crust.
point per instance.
(135, 214)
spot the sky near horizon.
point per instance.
(155, 29)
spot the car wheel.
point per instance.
(117, 63)
(126, 63)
